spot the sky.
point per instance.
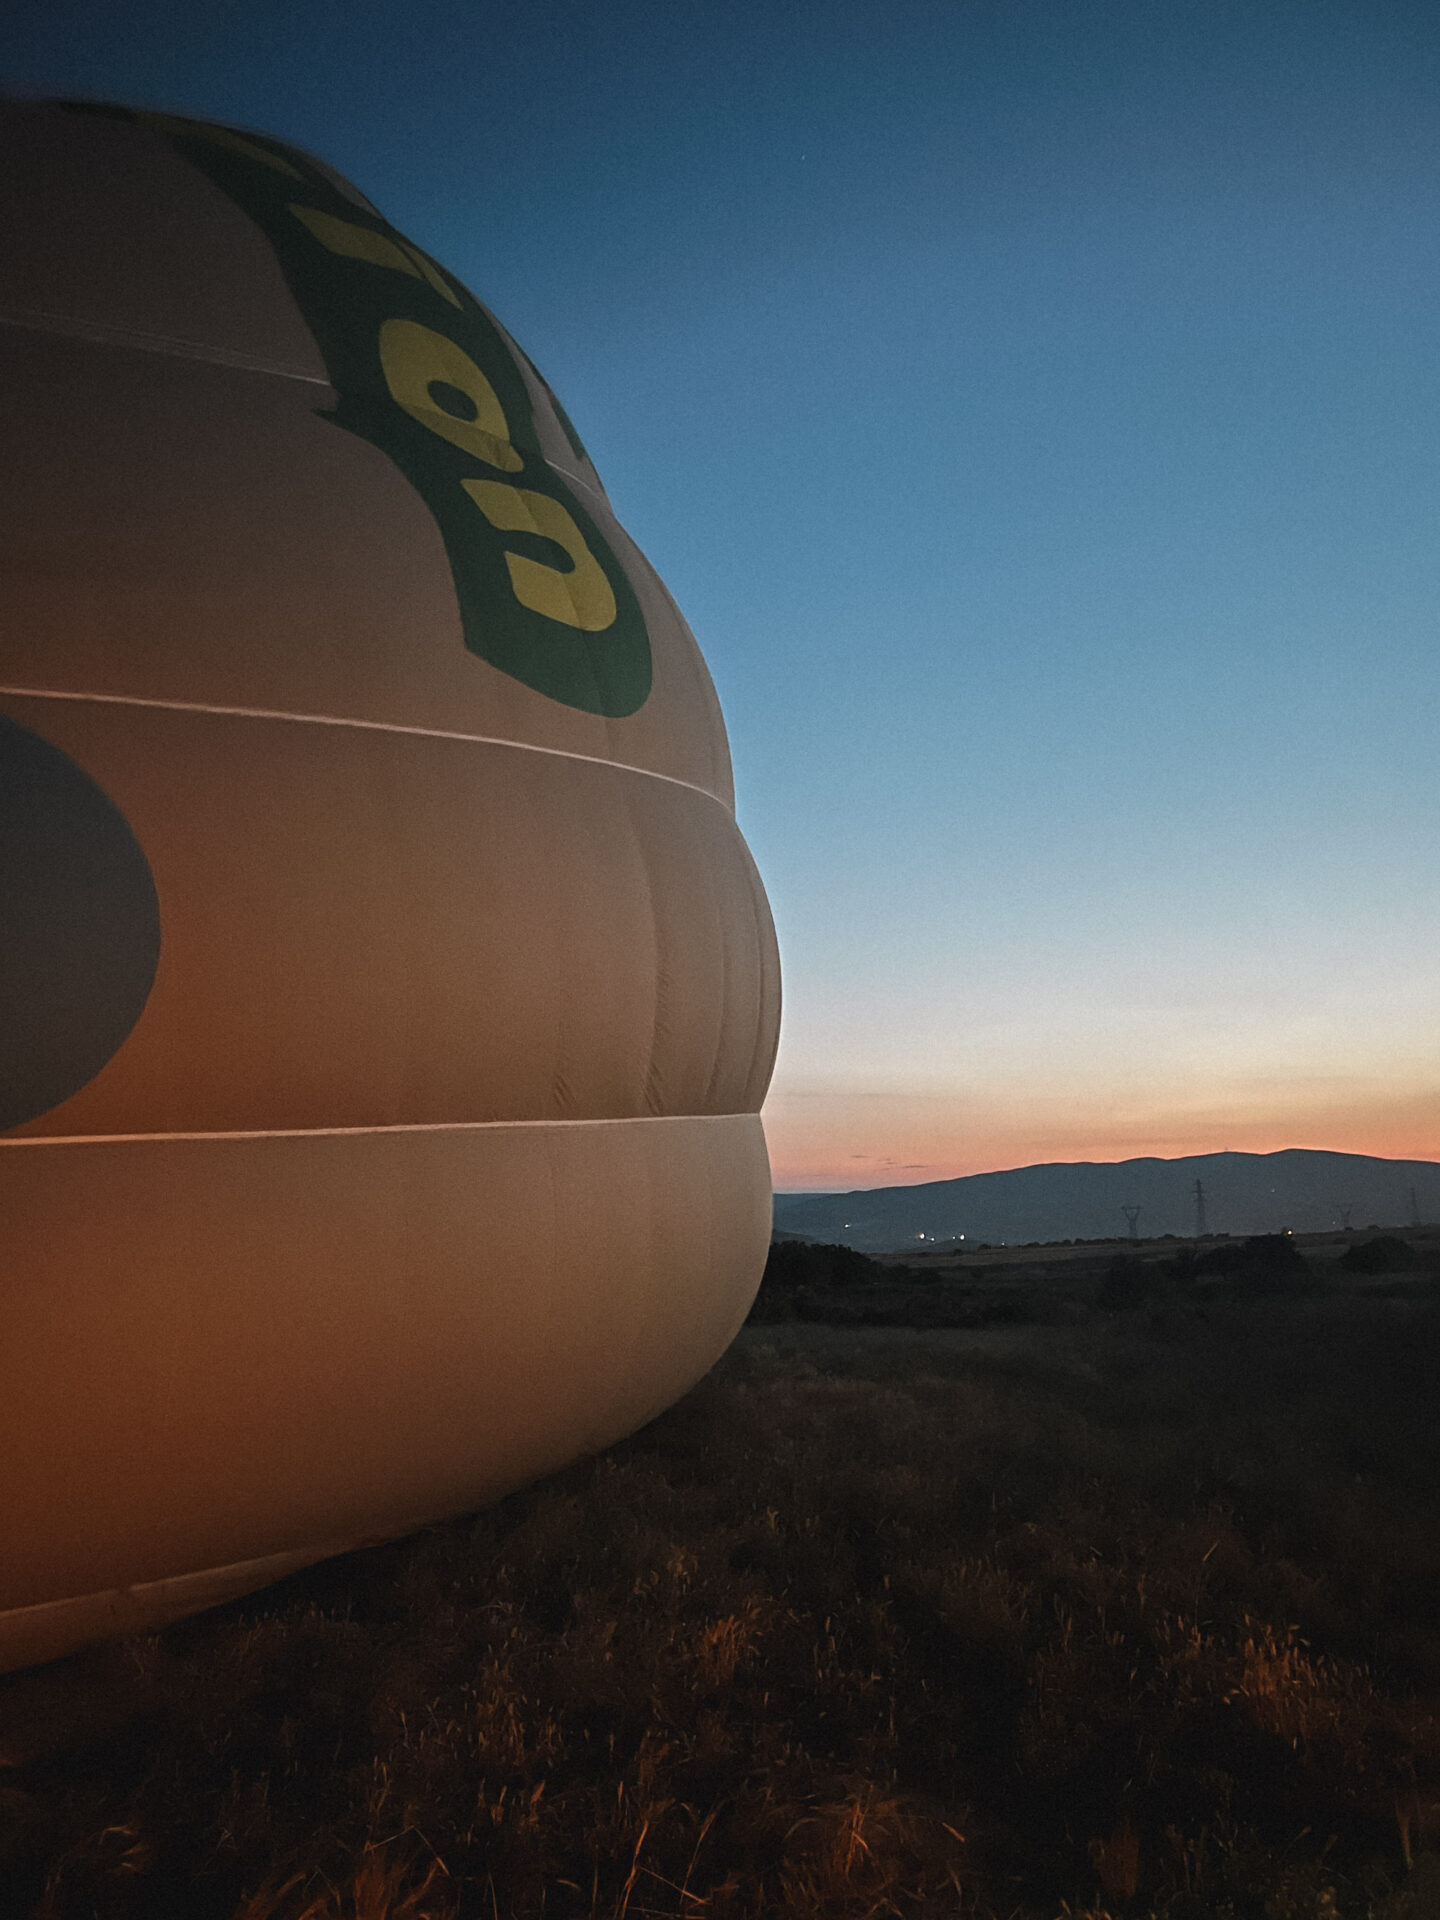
(1035, 409)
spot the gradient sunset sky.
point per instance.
(1035, 409)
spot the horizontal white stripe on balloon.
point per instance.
(345, 1133)
(170, 346)
(176, 347)
(258, 1573)
(339, 720)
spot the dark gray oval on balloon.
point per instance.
(79, 926)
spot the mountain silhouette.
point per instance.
(1298, 1189)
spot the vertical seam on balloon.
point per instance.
(722, 1036)
(342, 720)
(658, 990)
(706, 685)
(766, 1042)
(550, 1242)
(559, 1085)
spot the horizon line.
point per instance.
(1237, 1153)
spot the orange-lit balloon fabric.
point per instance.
(386, 993)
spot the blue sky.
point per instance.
(1035, 409)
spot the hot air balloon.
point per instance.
(387, 995)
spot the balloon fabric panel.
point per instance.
(391, 994)
(416, 364)
(367, 927)
(193, 532)
(390, 1327)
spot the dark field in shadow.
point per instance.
(1135, 1612)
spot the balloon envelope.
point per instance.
(387, 995)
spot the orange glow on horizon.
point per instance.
(832, 1140)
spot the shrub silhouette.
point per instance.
(1127, 1283)
(802, 1263)
(1266, 1263)
(797, 1268)
(804, 1280)
(1385, 1254)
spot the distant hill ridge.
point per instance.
(1304, 1190)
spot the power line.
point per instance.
(1200, 1227)
(1132, 1214)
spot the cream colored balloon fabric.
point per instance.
(386, 993)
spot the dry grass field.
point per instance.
(1126, 1606)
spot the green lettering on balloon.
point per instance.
(422, 372)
